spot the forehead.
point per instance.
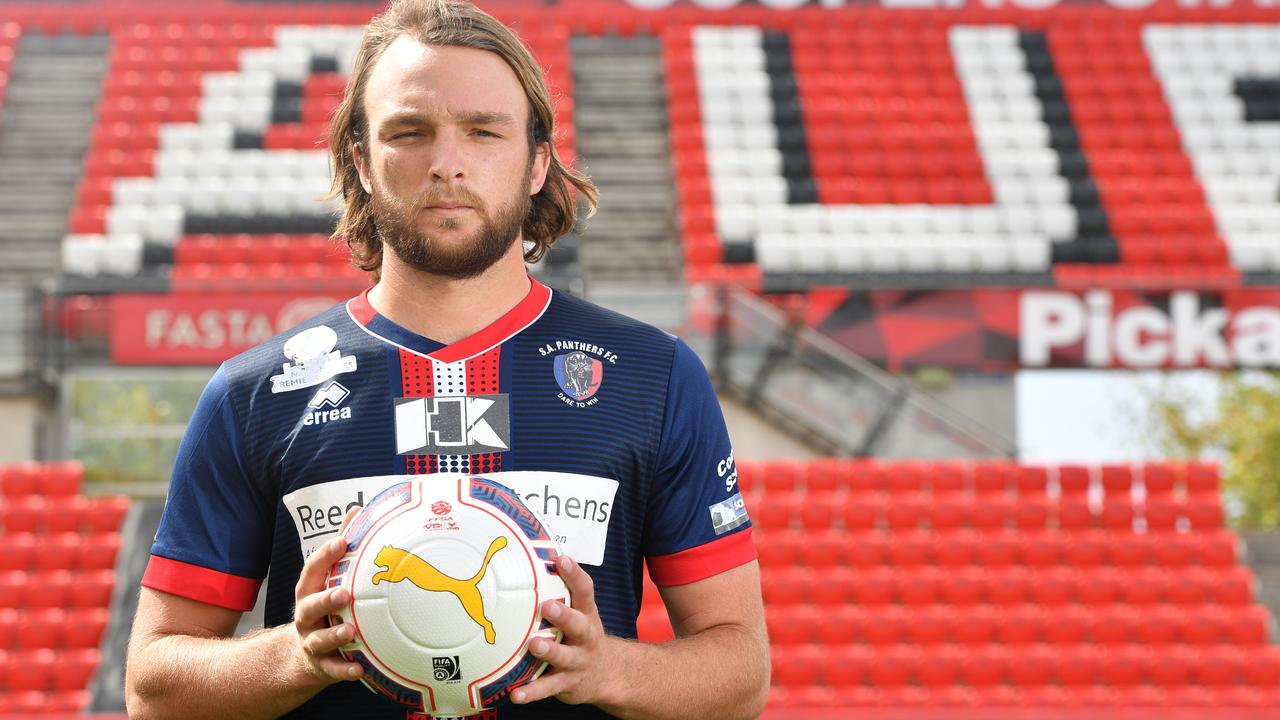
(438, 79)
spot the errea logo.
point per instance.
(325, 405)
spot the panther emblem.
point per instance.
(579, 374)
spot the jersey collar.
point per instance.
(516, 319)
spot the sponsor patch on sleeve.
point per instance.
(728, 514)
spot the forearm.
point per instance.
(722, 672)
(181, 676)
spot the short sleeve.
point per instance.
(697, 525)
(214, 540)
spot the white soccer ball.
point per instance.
(447, 576)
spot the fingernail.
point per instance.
(566, 563)
(553, 611)
(353, 671)
(518, 696)
(339, 596)
(538, 647)
(337, 543)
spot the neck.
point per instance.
(447, 309)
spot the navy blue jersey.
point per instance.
(607, 427)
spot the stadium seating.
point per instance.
(57, 575)
(214, 136)
(824, 148)
(927, 585)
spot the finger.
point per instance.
(548, 685)
(326, 640)
(346, 520)
(561, 656)
(316, 569)
(313, 608)
(582, 591)
(337, 668)
(575, 624)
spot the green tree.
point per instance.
(1243, 430)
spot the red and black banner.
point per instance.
(1004, 330)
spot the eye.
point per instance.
(484, 133)
(405, 134)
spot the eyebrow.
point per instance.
(470, 117)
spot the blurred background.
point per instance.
(990, 292)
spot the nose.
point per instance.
(446, 159)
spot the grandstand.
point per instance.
(824, 200)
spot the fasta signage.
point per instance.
(202, 329)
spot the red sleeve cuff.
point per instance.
(200, 583)
(703, 561)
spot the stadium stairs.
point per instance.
(49, 108)
(620, 112)
(995, 585)
(57, 577)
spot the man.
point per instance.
(455, 361)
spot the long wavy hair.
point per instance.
(553, 210)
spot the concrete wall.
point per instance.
(21, 419)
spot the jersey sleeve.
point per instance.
(697, 525)
(214, 540)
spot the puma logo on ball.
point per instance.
(403, 565)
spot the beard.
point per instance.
(468, 257)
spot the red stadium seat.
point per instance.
(74, 669)
(70, 516)
(1073, 481)
(23, 515)
(1009, 586)
(939, 666)
(1158, 479)
(50, 589)
(41, 628)
(19, 552)
(19, 480)
(61, 551)
(98, 551)
(30, 671)
(93, 589)
(1201, 477)
(62, 479)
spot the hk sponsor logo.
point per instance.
(460, 425)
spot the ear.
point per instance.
(538, 173)
(361, 167)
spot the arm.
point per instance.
(183, 662)
(718, 665)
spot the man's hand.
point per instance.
(581, 661)
(317, 644)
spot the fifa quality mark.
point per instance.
(400, 565)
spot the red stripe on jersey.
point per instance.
(360, 308)
(518, 318)
(233, 592)
(417, 379)
(704, 561)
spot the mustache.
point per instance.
(447, 196)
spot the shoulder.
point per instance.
(575, 314)
(294, 358)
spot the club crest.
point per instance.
(578, 374)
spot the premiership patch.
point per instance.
(313, 360)
(728, 514)
(579, 375)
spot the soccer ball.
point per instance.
(447, 576)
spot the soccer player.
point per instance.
(455, 361)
